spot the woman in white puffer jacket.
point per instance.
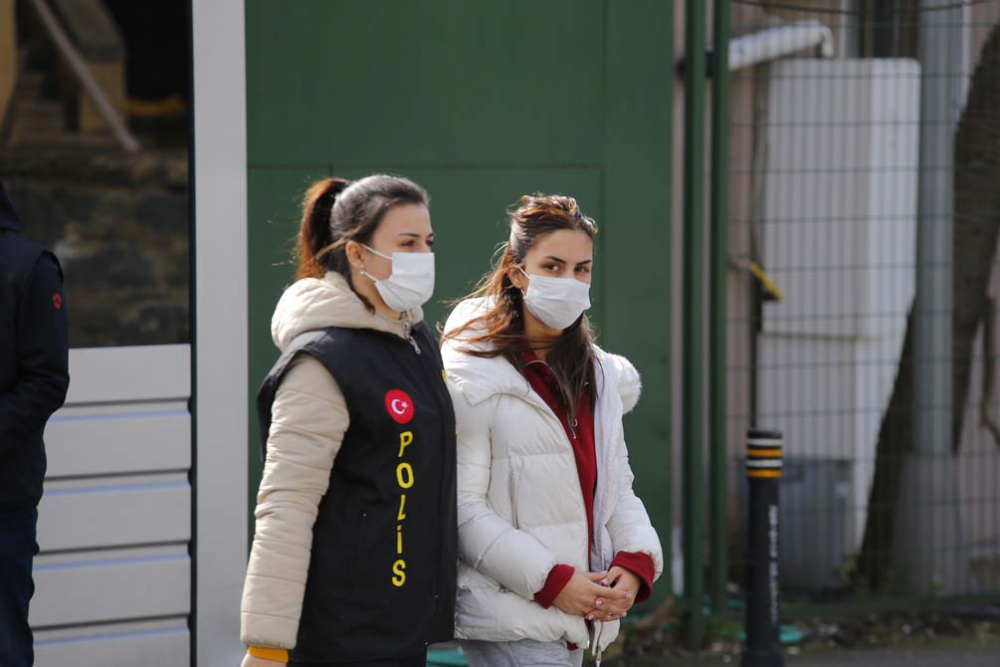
(554, 545)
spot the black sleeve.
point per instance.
(42, 356)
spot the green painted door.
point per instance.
(479, 102)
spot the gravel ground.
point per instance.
(958, 638)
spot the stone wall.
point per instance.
(120, 226)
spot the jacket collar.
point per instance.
(317, 303)
(8, 216)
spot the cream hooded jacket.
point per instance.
(309, 420)
(520, 508)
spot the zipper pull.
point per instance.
(408, 330)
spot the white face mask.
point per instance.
(558, 302)
(411, 282)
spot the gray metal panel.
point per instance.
(115, 513)
(105, 444)
(116, 647)
(106, 587)
(129, 374)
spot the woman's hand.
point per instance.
(625, 582)
(584, 592)
(250, 661)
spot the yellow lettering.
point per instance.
(402, 508)
(405, 439)
(399, 540)
(404, 470)
(399, 572)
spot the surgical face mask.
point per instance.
(411, 282)
(558, 302)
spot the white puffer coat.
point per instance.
(520, 507)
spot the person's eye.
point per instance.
(407, 244)
(583, 269)
(551, 267)
(430, 244)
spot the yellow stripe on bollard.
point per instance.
(764, 453)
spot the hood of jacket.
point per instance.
(8, 216)
(479, 378)
(313, 303)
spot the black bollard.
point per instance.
(763, 647)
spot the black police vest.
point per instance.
(383, 570)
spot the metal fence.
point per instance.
(864, 212)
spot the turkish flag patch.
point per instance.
(57, 301)
(399, 405)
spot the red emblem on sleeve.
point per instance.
(399, 405)
(57, 301)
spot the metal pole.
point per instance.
(719, 271)
(764, 462)
(926, 508)
(667, 540)
(693, 326)
(933, 306)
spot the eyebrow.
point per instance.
(563, 261)
(415, 235)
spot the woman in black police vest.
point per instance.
(354, 558)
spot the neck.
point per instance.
(364, 286)
(386, 311)
(540, 336)
(375, 299)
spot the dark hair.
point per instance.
(571, 356)
(336, 211)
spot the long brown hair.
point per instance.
(336, 211)
(571, 355)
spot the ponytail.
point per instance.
(336, 211)
(316, 236)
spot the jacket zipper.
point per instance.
(407, 333)
(596, 649)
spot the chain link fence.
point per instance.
(864, 214)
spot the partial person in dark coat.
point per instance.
(34, 377)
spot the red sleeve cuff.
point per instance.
(559, 576)
(641, 565)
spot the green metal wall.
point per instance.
(480, 102)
